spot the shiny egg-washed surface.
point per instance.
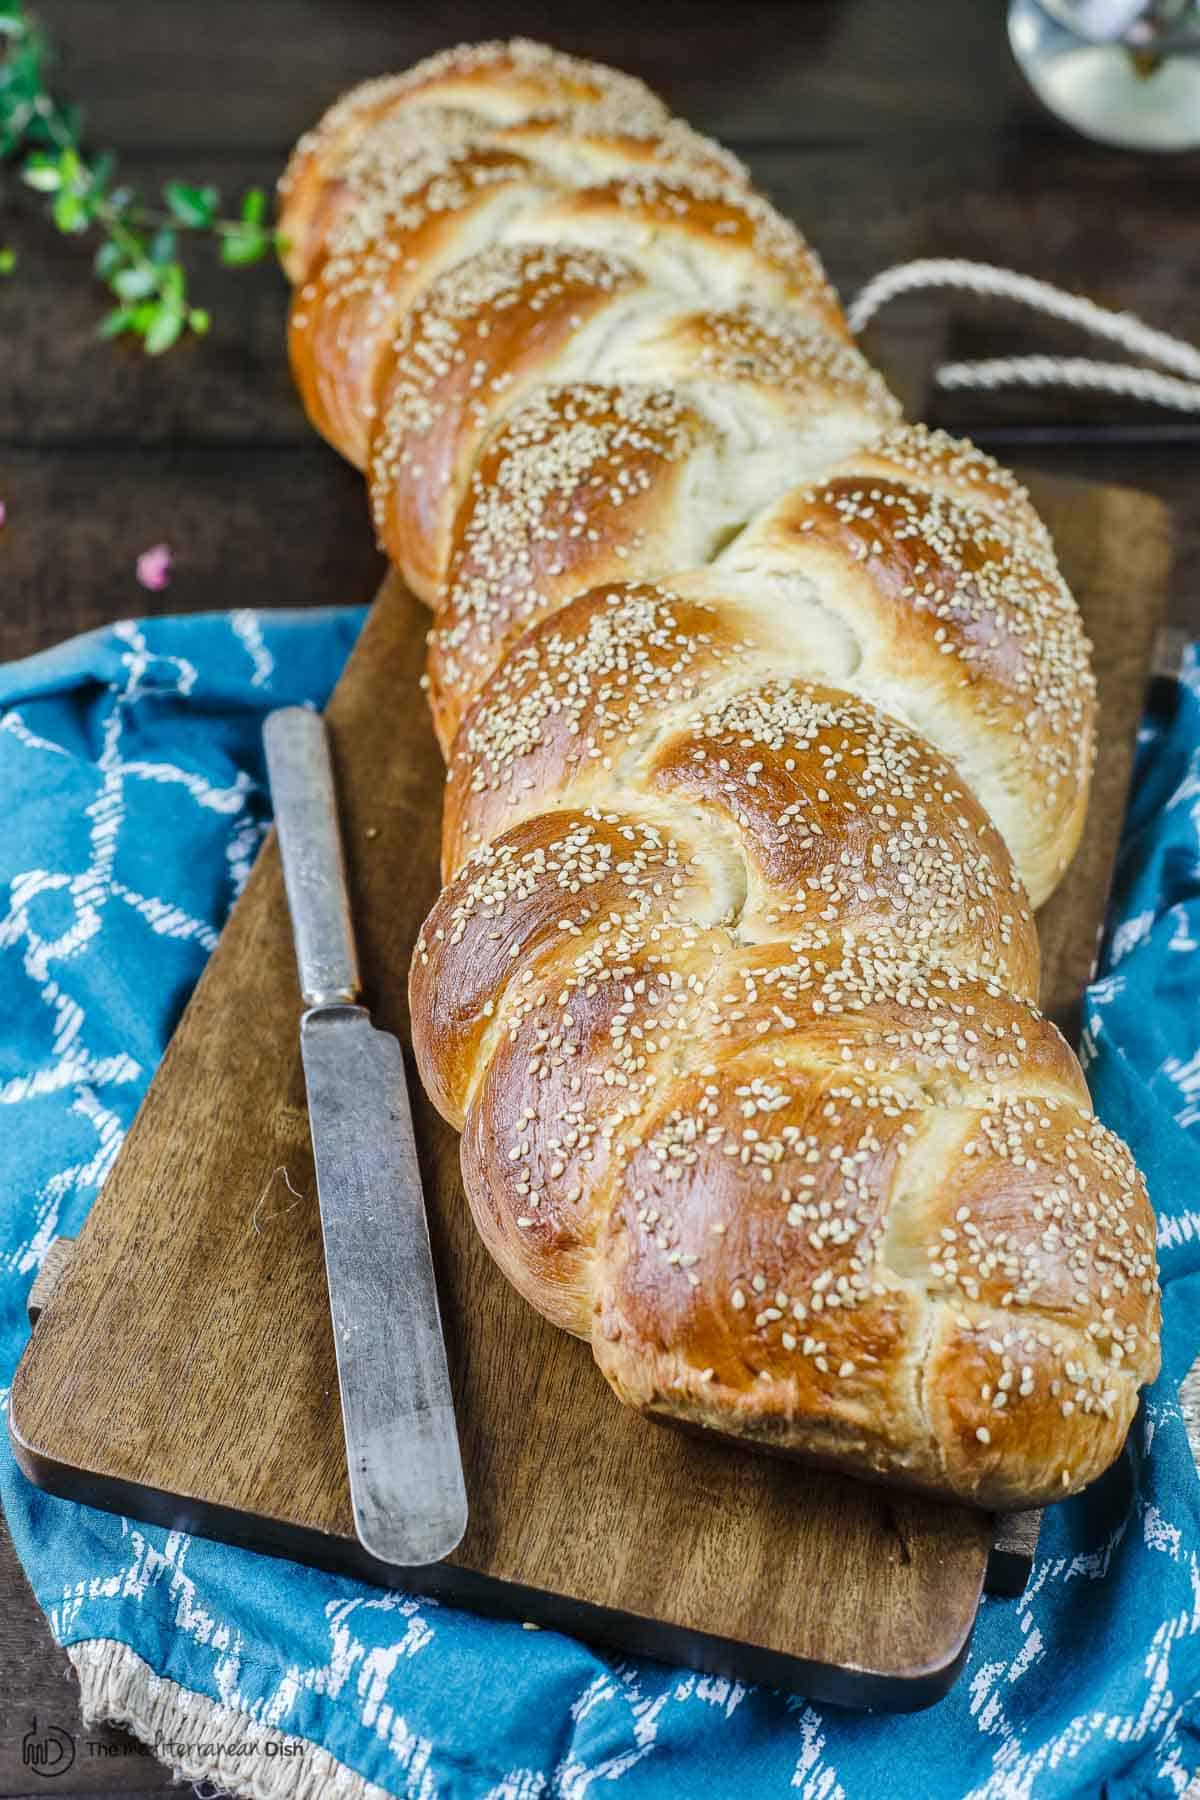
(767, 718)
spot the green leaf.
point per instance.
(131, 243)
(195, 207)
(35, 128)
(199, 320)
(164, 329)
(135, 283)
(248, 244)
(109, 258)
(115, 322)
(173, 286)
(23, 71)
(254, 206)
(100, 173)
(42, 172)
(163, 245)
(8, 261)
(70, 213)
(13, 123)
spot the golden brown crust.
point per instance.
(786, 1309)
(556, 716)
(964, 605)
(841, 813)
(849, 821)
(697, 231)
(344, 316)
(765, 715)
(583, 484)
(592, 480)
(496, 85)
(716, 1283)
(564, 1084)
(525, 898)
(482, 335)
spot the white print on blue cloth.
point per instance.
(82, 896)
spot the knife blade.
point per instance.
(406, 1479)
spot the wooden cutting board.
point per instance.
(184, 1370)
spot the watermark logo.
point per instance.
(48, 1752)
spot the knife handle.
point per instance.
(302, 792)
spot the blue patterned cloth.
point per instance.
(133, 804)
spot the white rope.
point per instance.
(1046, 371)
(1073, 372)
(994, 283)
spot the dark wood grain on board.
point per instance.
(1116, 555)
(215, 1405)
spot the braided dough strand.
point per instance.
(767, 718)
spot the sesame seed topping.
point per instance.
(766, 715)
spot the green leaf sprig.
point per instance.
(138, 259)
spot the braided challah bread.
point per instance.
(767, 717)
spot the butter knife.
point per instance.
(406, 1478)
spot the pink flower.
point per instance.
(154, 567)
(3, 515)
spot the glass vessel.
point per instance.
(1124, 71)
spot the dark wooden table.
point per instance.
(889, 128)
